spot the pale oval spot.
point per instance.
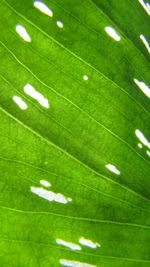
(145, 42)
(23, 33)
(88, 243)
(43, 8)
(148, 153)
(69, 263)
(142, 138)
(45, 183)
(144, 88)
(140, 145)
(85, 77)
(113, 169)
(112, 33)
(67, 244)
(60, 24)
(21, 104)
(31, 91)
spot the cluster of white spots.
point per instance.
(23, 33)
(21, 104)
(60, 24)
(30, 90)
(142, 138)
(88, 243)
(140, 145)
(146, 6)
(43, 8)
(113, 169)
(145, 42)
(112, 33)
(145, 89)
(45, 183)
(50, 195)
(148, 153)
(69, 263)
(85, 77)
(68, 244)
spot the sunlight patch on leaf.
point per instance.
(113, 169)
(88, 243)
(85, 77)
(145, 42)
(68, 244)
(30, 90)
(21, 104)
(23, 33)
(69, 263)
(142, 138)
(144, 88)
(43, 8)
(49, 195)
(112, 33)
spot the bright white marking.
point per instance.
(112, 33)
(85, 77)
(148, 6)
(75, 263)
(88, 243)
(60, 24)
(21, 104)
(68, 244)
(140, 145)
(43, 8)
(69, 199)
(30, 90)
(145, 42)
(148, 153)
(23, 33)
(112, 168)
(45, 183)
(49, 195)
(145, 6)
(145, 89)
(142, 138)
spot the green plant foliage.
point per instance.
(75, 149)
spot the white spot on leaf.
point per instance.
(85, 77)
(145, 42)
(45, 183)
(88, 243)
(30, 90)
(145, 6)
(21, 104)
(69, 263)
(68, 244)
(49, 195)
(60, 24)
(43, 8)
(148, 153)
(142, 138)
(113, 169)
(140, 145)
(112, 33)
(144, 88)
(23, 33)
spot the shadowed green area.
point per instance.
(89, 124)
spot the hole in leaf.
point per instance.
(21, 104)
(142, 138)
(68, 244)
(69, 263)
(148, 153)
(30, 90)
(45, 183)
(140, 145)
(145, 42)
(43, 8)
(144, 88)
(113, 169)
(85, 77)
(60, 24)
(23, 33)
(112, 33)
(88, 243)
(145, 6)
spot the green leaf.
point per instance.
(75, 139)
